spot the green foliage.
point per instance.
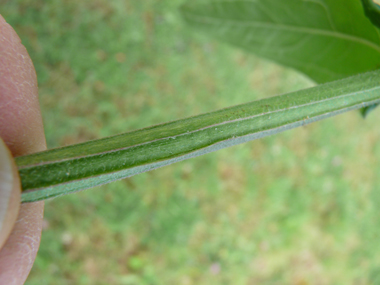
(326, 39)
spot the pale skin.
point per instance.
(22, 131)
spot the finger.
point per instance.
(22, 130)
(9, 193)
(18, 254)
(20, 116)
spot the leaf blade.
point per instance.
(325, 39)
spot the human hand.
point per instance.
(22, 132)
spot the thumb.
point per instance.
(9, 193)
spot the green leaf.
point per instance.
(72, 168)
(324, 39)
(372, 11)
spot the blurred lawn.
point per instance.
(301, 207)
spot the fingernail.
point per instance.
(6, 181)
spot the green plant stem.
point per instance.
(65, 170)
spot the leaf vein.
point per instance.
(284, 27)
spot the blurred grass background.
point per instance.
(301, 207)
